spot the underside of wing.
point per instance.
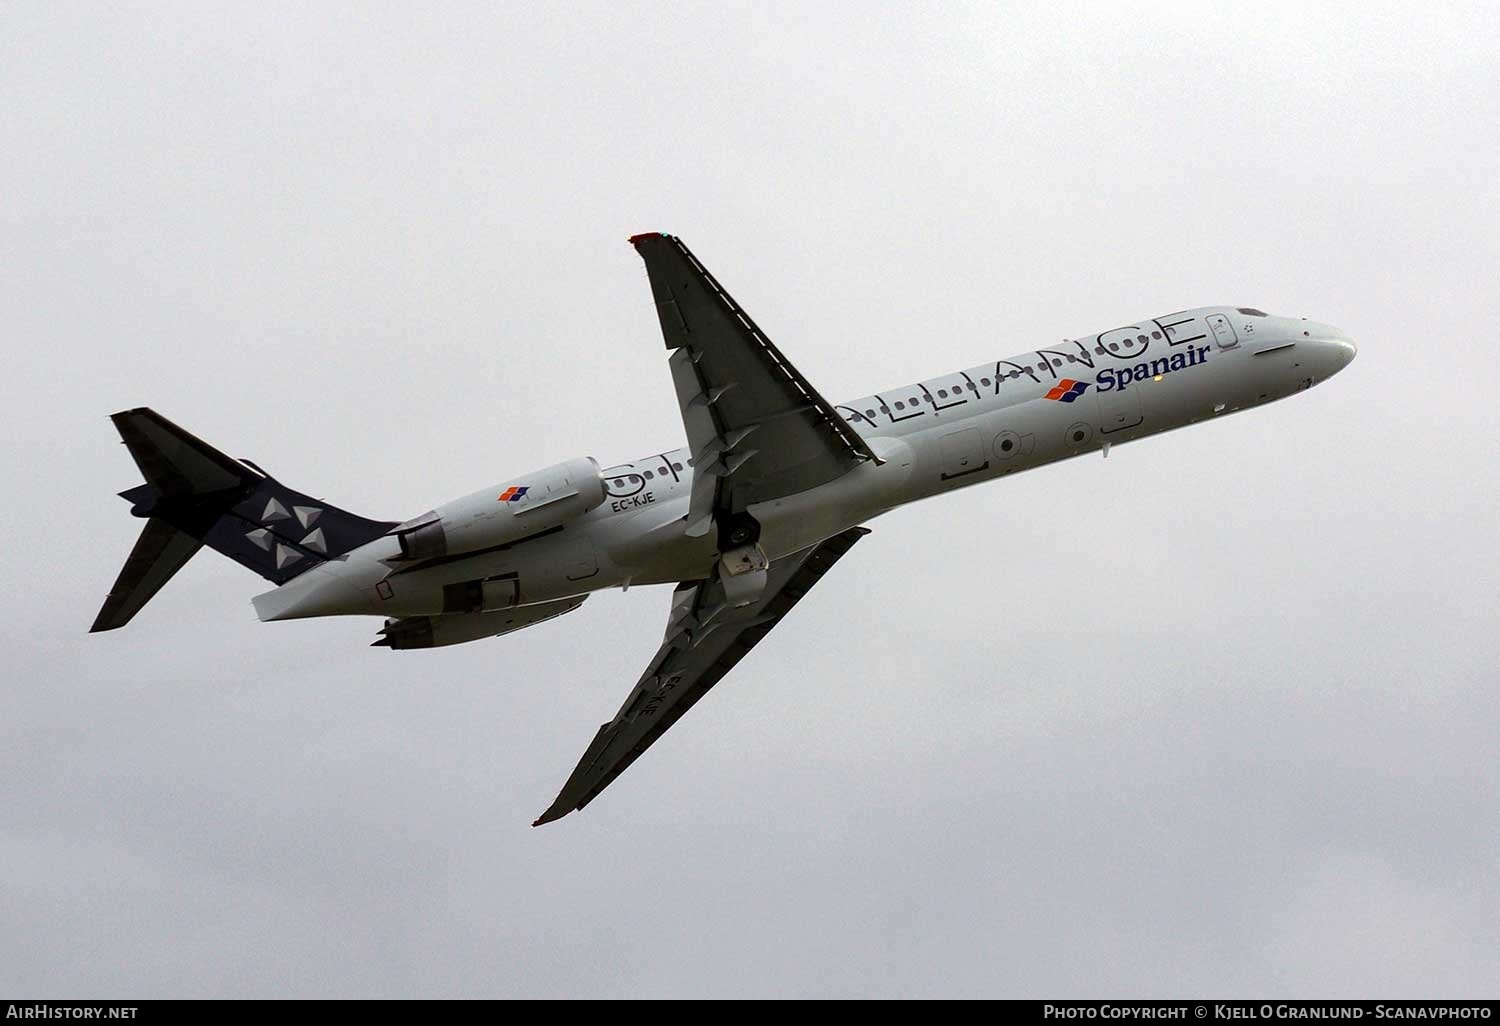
(757, 428)
(705, 638)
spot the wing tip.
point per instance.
(636, 240)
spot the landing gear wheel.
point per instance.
(738, 531)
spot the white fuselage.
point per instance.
(934, 436)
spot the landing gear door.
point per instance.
(1223, 331)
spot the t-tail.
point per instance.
(195, 495)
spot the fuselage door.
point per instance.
(1119, 411)
(1223, 331)
(963, 453)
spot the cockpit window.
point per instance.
(1250, 311)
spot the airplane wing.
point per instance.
(705, 638)
(757, 429)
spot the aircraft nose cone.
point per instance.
(1344, 348)
(1335, 349)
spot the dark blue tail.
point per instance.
(195, 495)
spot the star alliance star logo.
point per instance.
(1066, 390)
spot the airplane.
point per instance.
(772, 489)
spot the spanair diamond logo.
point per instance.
(1066, 390)
(512, 493)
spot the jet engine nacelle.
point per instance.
(505, 513)
(457, 628)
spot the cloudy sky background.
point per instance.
(1216, 716)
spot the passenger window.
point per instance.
(677, 466)
(900, 405)
(942, 393)
(647, 475)
(985, 382)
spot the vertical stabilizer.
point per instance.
(195, 495)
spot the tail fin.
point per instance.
(195, 495)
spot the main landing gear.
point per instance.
(742, 562)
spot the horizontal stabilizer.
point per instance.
(195, 495)
(173, 460)
(160, 552)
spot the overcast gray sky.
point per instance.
(1216, 716)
